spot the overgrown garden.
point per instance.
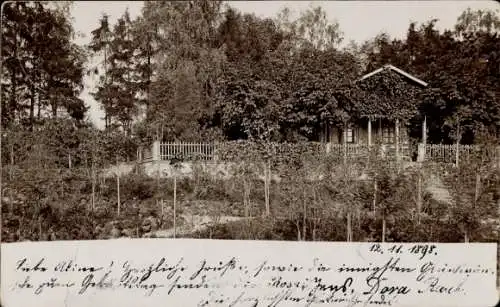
(199, 72)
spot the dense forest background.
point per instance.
(201, 71)
(198, 71)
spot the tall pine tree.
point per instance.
(43, 68)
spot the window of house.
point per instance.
(388, 135)
(349, 135)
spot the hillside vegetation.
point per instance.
(363, 199)
(199, 71)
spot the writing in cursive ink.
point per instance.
(22, 265)
(53, 283)
(25, 284)
(436, 286)
(375, 279)
(264, 267)
(254, 301)
(222, 267)
(70, 266)
(90, 281)
(162, 266)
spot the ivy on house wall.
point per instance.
(387, 94)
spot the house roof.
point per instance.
(397, 70)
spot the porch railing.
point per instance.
(348, 149)
(357, 150)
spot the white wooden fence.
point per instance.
(212, 151)
(188, 151)
(448, 153)
(441, 153)
(348, 149)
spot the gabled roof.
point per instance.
(397, 70)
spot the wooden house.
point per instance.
(374, 127)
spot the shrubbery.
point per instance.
(317, 198)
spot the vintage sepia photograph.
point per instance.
(336, 121)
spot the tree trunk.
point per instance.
(87, 170)
(39, 229)
(1, 211)
(374, 195)
(380, 131)
(498, 206)
(268, 208)
(457, 153)
(314, 215)
(106, 115)
(13, 78)
(32, 103)
(424, 131)
(149, 73)
(39, 111)
(383, 228)
(358, 216)
(304, 222)
(344, 142)
(349, 227)
(265, 187)
(314, 229)
(54, 107)
(157, 176)
(118, 194)
(93, 185)
(245, 208)
(419, 196)
(93, 170)
(267, 179)
(11, 113)
(478, 188)
(369, 132)
(397, 146)
(162, 209)
(11, 160)
(175, 205)
(246, 198)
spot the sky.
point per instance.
(359, 20)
